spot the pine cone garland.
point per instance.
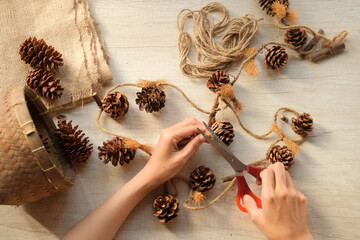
(114, 151)
(72, 143)
(296, 37)
(44, 83)
(224, 130)
(115, 105)
(217, 80)
(276, 58)
(151, 98)
(303, 124)
(166, 207)
(39, 55)
(267, 5)
(282, 154)
(202, 179)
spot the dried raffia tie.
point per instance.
(236, 35)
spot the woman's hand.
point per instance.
(284, 208)
(167, 159)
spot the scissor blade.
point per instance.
(216, 142)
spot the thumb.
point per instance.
(251, 207)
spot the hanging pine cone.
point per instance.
(303, 124)
(267, 5)
(38, 54)
(224, 130)
(166, 207)
(276, 57)
(115, 105)
(282, 154)
(72, 143)
(114, 151)
(296, 37)
(44, 83)
(151, 98)
(202, 179)
(217, 80)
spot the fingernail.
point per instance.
(201, 137)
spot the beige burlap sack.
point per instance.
(69, 27)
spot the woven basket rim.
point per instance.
(65, 169)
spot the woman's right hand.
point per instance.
(283, 213)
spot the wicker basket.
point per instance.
(29, 171)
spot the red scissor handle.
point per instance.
(255, 171)
(243, 189)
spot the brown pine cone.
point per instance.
(166, 207)
(114, 151)
(202, 179)
(224, 130)
(115, 105)
(282, 154)
(267, 5)
(151, 98)
(72, 143)
(276, 57)
(39, 55)
(303, 124)
(296, 37)
(217, 80)
(44, 83)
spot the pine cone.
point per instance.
(116, 105)
(114, 151)
(276, 58)
(267, 5)
(202, 179)
(166, 207)
(38, 54)
(282, 154)
(217, 80)
(44, 83)
(303, 124)
(151, 98)
(224, 130)
(72, 143)
(296, 37)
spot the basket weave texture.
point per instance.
(28, 170)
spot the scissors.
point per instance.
(238, 167)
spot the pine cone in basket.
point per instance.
(115, 105)
(202, 179)
(44, 83)
(224, 130)
(282, 154)
(276, 58)
(217, 80)
(166, 207)
(267, 5)
(72, 142)
(303, 124)
(114, 151)
(151, 98)
(38, 54)
(296, 37)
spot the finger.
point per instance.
(192, 146)
(185, 122)
(280, 178)
(252, 208)
(268, 183)
(187, 131)
(289, 182)
(258, 182)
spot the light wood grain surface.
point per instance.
(141, 39)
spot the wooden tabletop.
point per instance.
(141, 39)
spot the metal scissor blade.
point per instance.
(216, 142)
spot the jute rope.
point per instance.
(235, 34)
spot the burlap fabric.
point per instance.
(69, 27)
